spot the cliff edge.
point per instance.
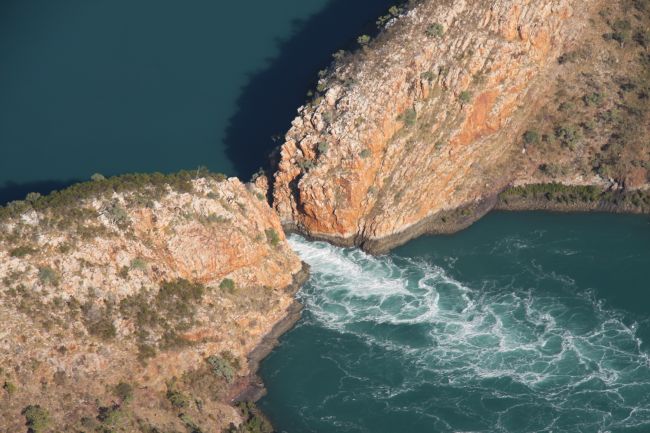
(419, 130)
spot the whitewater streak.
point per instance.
(500, 354)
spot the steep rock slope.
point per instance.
(419, 130)
(131, 304)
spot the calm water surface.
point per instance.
(157, 85)
(523, 323)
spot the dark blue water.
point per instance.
(157, 85)
(523, 323)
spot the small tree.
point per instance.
(435, 30)
(363, 40)
(409, 117)
(47, 275)
(322, 147)
(38, 419)
(227, 285)
(531, 137)
(465, 96)
(272, 237)
(124, 392)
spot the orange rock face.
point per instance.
(418, 123)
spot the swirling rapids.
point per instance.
(489, 358)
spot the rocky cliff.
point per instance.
(132, 303)
(421, 128)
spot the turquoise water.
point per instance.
(157, 85)
(523, 323)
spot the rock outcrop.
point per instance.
(133, 303)
(420, 130)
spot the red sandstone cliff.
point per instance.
(429, 118)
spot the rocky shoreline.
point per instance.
(252, 387)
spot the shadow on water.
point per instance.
(268, 103)
(11, 191)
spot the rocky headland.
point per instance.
(421, 129)
(133, 304)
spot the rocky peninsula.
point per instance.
(421, 129)
(133, 303)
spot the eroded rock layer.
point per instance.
(429, 119)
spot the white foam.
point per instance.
(558, 349)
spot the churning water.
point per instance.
(396, 343)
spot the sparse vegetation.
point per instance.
(224, 366)
(138, 264)
(123, 391)
(568, 134)
(227, 285)
(322, 147)
(365, 153)
(435, 30)
(577, 195)
(272, 237)
(9, 387)
(66, 201)
(531, 137)
(465, 96)
(38, 419)
(409, 117)
(48, 276)
(177, 398)
(363, 40)
(254, 420)
(22, 251)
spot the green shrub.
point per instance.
(38, 419)
(110, 415)
(305, 164)
(228, 285)
(123, 391)
(363, 40)
(177, 398)
(254, 420)
(47, 275)
(465, 96)
(272, 237)
(322, 147)
(593, 98)
(569, 135)
(102, 328)
(531, 137)
(22, 251)
(435, 30)
(222, 367)
(409, 117)
(189, 423)
(9, 387)
(569, 57)
(365, 153)
(116, 214)
(138, 263)
(428, 76)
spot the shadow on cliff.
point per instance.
(268, 103)
(11, 191)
